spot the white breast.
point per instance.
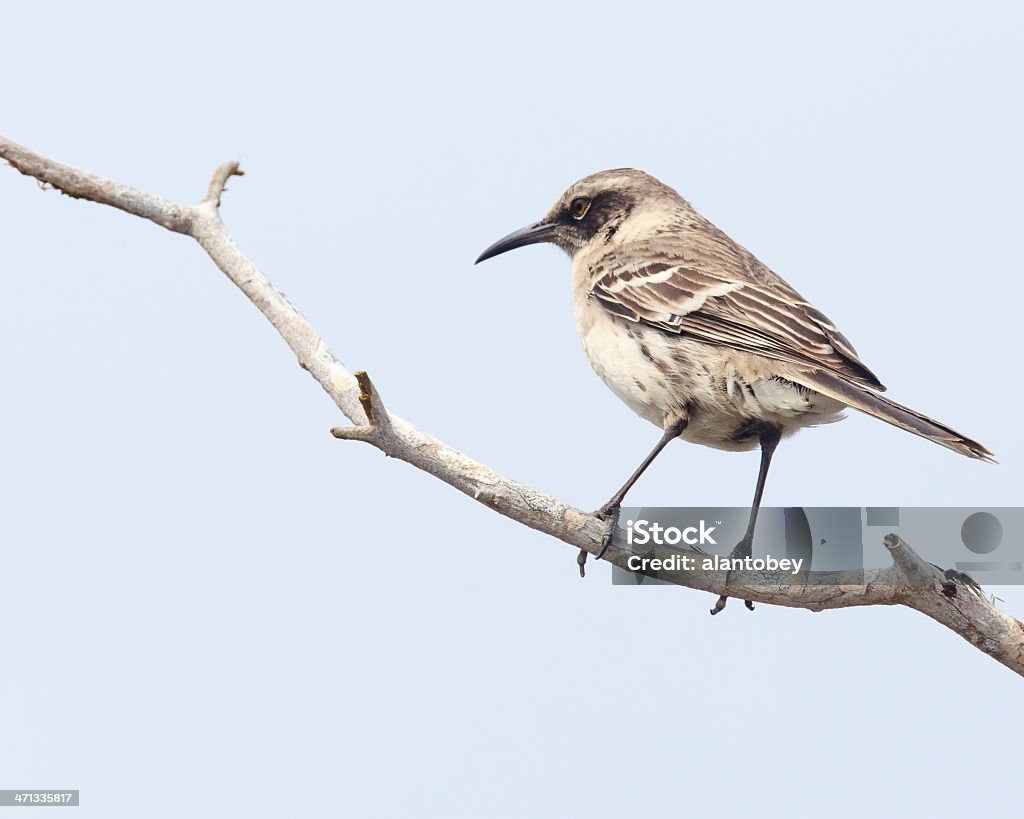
(625, 359)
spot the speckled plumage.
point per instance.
(682, 322)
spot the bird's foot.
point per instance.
(609, 513)
(743, 549)
(723, 599)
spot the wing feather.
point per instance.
(756, 314)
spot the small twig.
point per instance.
(357, 432)
(917, 572)
(219, 181)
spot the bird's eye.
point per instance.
(579, 207)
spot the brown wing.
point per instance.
(766, 316)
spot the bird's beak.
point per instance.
(531, 235)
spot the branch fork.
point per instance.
(377, 428)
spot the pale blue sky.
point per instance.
(212, 608)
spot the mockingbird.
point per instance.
(699, 337)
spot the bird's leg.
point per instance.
(609, 513)
(769, 440)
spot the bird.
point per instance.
(699, 337)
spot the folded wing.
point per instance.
(764, 317)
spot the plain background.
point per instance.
(210, 607)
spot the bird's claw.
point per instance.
(610, 515)
(723, 599)
(743, 549)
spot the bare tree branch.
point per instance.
(948, 597)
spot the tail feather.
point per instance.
(895, 414)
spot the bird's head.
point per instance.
(603, 208)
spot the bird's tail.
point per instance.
(895, 414)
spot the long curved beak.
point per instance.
(530, 235)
